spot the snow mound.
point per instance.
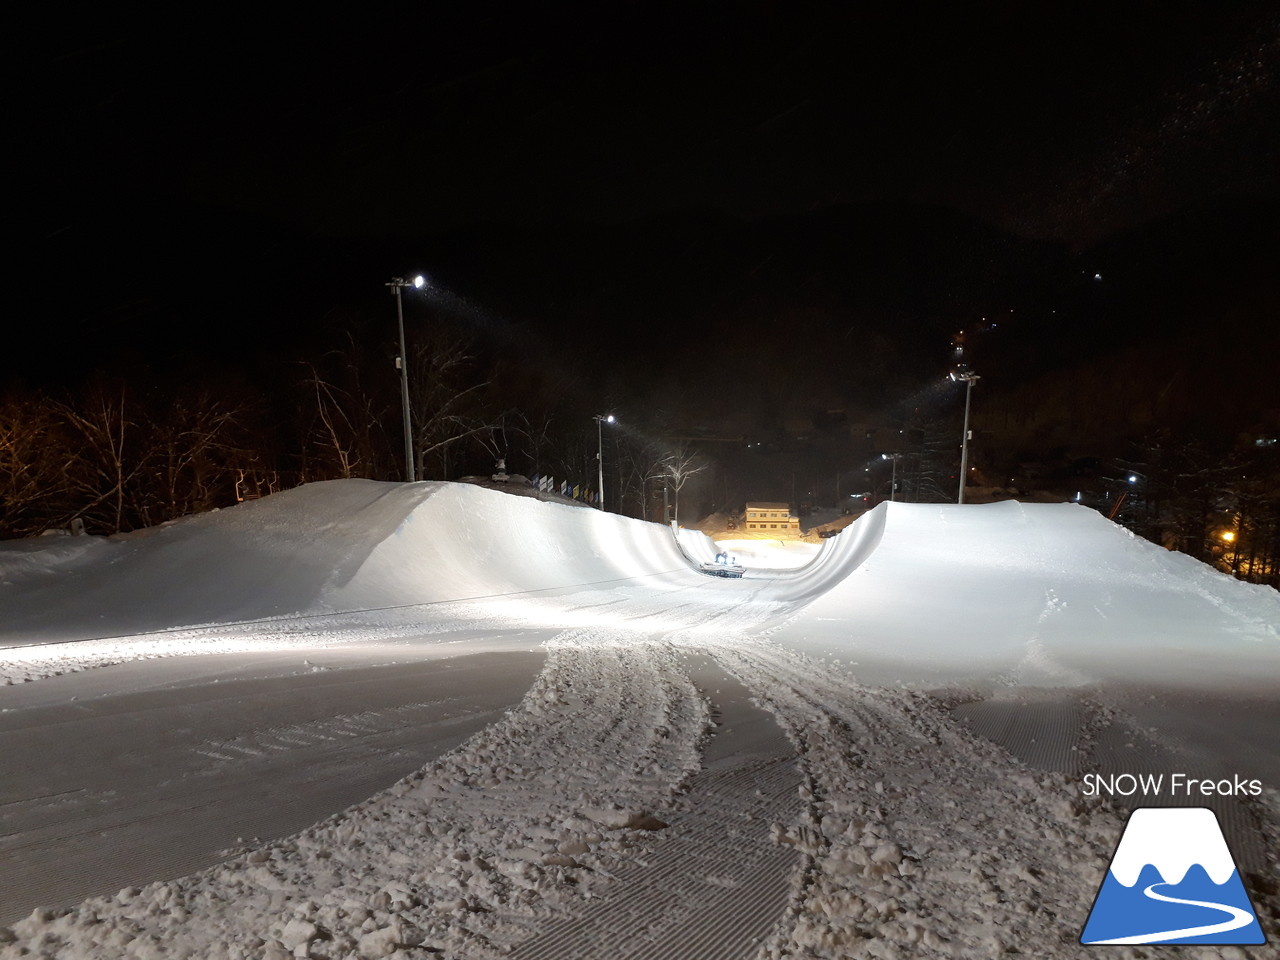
(1035, 594)
(468, 543)
(323, 547)
(1050, 594)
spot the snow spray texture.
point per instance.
(1172, 880)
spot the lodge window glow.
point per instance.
(772, 516)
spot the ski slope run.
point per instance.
(699, 770)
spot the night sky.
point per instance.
(628, 193)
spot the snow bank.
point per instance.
(466, 542)
(323, 547)
(1044, 593)
(264, 558)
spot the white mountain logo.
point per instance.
(1172, 880)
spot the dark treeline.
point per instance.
(125, 451)
(1216, 500)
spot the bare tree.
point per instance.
(109, 456)
(679, 466)
(193, 447)
(346, 425)
(347, 416)
(33, 460)
(335, 428)
(640, 463)
(450, 404)
(538, 440)
(114, 463)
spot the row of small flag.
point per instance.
(577, 491)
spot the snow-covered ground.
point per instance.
(769, 555)
(468, 724)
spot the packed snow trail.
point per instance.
(920, 840)
(164, 780)
(466, 855)
(715, 885)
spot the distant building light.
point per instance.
(1265, 442)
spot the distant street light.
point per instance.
(601, 419)
(968, 377)
(396, 284)
(893, 484)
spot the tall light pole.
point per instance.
(601, 419)
(402, 362)
(893, 483)
(969, 377)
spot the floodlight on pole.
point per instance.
(968, 377)
(601, 419)
(893, 483)
(402, 363)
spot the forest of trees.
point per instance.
(119, 453)
(1216, 500)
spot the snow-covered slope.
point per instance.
(322, 547)
(1044, 591)
(919, 838)
(1050, 593)
(462, 542)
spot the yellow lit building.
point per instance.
(772, 518)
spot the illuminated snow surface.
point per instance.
(479, 725)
